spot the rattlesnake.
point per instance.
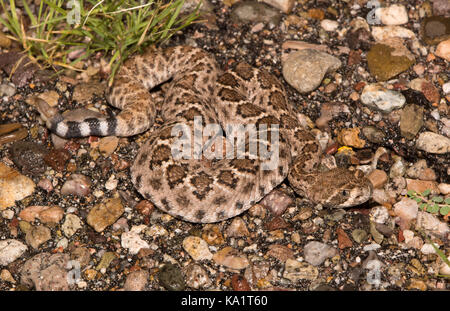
(202, 189)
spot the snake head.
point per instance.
(340, 188)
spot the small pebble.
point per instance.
(197, 248)
(316, 252)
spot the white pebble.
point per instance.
(8, 214)
(446, 88)
(392, 15)
(329, 25)
(371, 247)
(427, 248)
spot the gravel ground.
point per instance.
(70, 218)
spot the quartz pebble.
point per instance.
(197, 248)
(378, 97)
(392, 15)
(433, 143)
(132, 240)
(13, 186)
(10, 250)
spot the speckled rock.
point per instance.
(29, 157)
(411, 120)
(433, 143)
(277, 201)
(280, 252)
(136, 280)
(305, 69)
(77, 184)
(316, 252)
(197, 248)
(237, 228)
(378, 97)
(406, 210)
(392, 15)
(253, 11)
(441, 7)
(231, 258)
(7, 90)
(13, 186)
(71, 224)
(435, 29)
(171, 278)
(37, 235)
(431, 224)
(285, 6)
(197, 277)
(443, 50)
(384, 33)
(132, 240)
(47, 214)
(296, 271)
(105, 214)
(385, 63)
(10, 250)
(46, 272)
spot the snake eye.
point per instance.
(345, 193)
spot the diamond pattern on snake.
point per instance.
(202, 189)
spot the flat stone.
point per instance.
(383, 33)
(378, 178)
(435, 29)
(392, 15)
(433, 143)
(443, 50)
(285, 6)
(305, 69)
(37, 235)
(385, 62)
(296, 271)
(422, 185)
(411, 120)
(255, 12)
(197, 248)
(11, 132)
(105, 214)
(71, 225)
(136, 281)
(378, 97)
(132, 240)
(316, 252)
(10, 250)
(13, 186)
(46, 272)
(231, 258)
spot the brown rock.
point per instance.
(280, 252)
(276, 202)
(239, 283)
(105, 214)
(343, 239)
(378, 178)
(422, 185)
(13, 186)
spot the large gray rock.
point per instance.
(305, 69)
